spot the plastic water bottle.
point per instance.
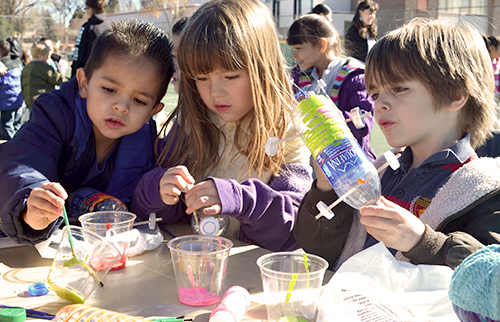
(337, 152)
(216, 225)
(85, 313)
(85, 200)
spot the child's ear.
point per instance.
(458, 103)
(156, 110)
(83, 82)
(322, 45)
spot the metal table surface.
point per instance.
(146, 287)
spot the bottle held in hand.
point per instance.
(85, 200)
(216, 225)
(337, 152)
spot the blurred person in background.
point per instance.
(38, 76)
(323, 10)
(54, 56)
(11, 98)
(362, 35)
(88, 33)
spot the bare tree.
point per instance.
(64, 9)
(18, 7)
(172, 9)
(127, 5)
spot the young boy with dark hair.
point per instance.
(433, 88)
(96, 131)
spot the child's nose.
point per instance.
(121, 105)
(381, 105)
(217, 89)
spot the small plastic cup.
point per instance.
(292, 285)
(75, 277)
(115, 226)
(200, 263)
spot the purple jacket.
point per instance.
(267, 212)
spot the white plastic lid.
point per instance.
(222, 316)
(209, 226)
(270, 147)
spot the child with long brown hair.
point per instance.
(362, 35)
(234, 95)
(317, 49)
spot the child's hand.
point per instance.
(44, 205)
(204, 194)
(173, 182)
(393, 225)
(322, 182)
(3, 69)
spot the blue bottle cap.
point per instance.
(13, 314)
(37, 289)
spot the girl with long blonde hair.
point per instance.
(234, 95)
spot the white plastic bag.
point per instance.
(373, 286)
(144, 239)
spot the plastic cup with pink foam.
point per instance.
(200, 263)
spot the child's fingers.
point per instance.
(169, 193)
(322, 182)
(48, 196)
(179, 176)
(392, 224)
(204, 194)
(56, 189)
(212, 210)
(43, 207)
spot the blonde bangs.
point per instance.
(233, 35)
(215, 44)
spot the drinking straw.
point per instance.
(193, 281)
(70, 238)
(220, 242)
(305, 262)
(290, 287)
(308, 282)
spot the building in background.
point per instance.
(484, 14)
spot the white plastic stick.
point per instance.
(362, 115)
(146, 222)
(286, 139)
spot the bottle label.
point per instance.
(337, 160)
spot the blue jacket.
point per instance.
(11, 97)
(57, 145)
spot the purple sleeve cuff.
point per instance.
(146, 198)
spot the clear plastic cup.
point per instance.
(75, 277)
(292, 285)
(115, 226)
(200, 267)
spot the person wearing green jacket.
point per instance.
(38, 76)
